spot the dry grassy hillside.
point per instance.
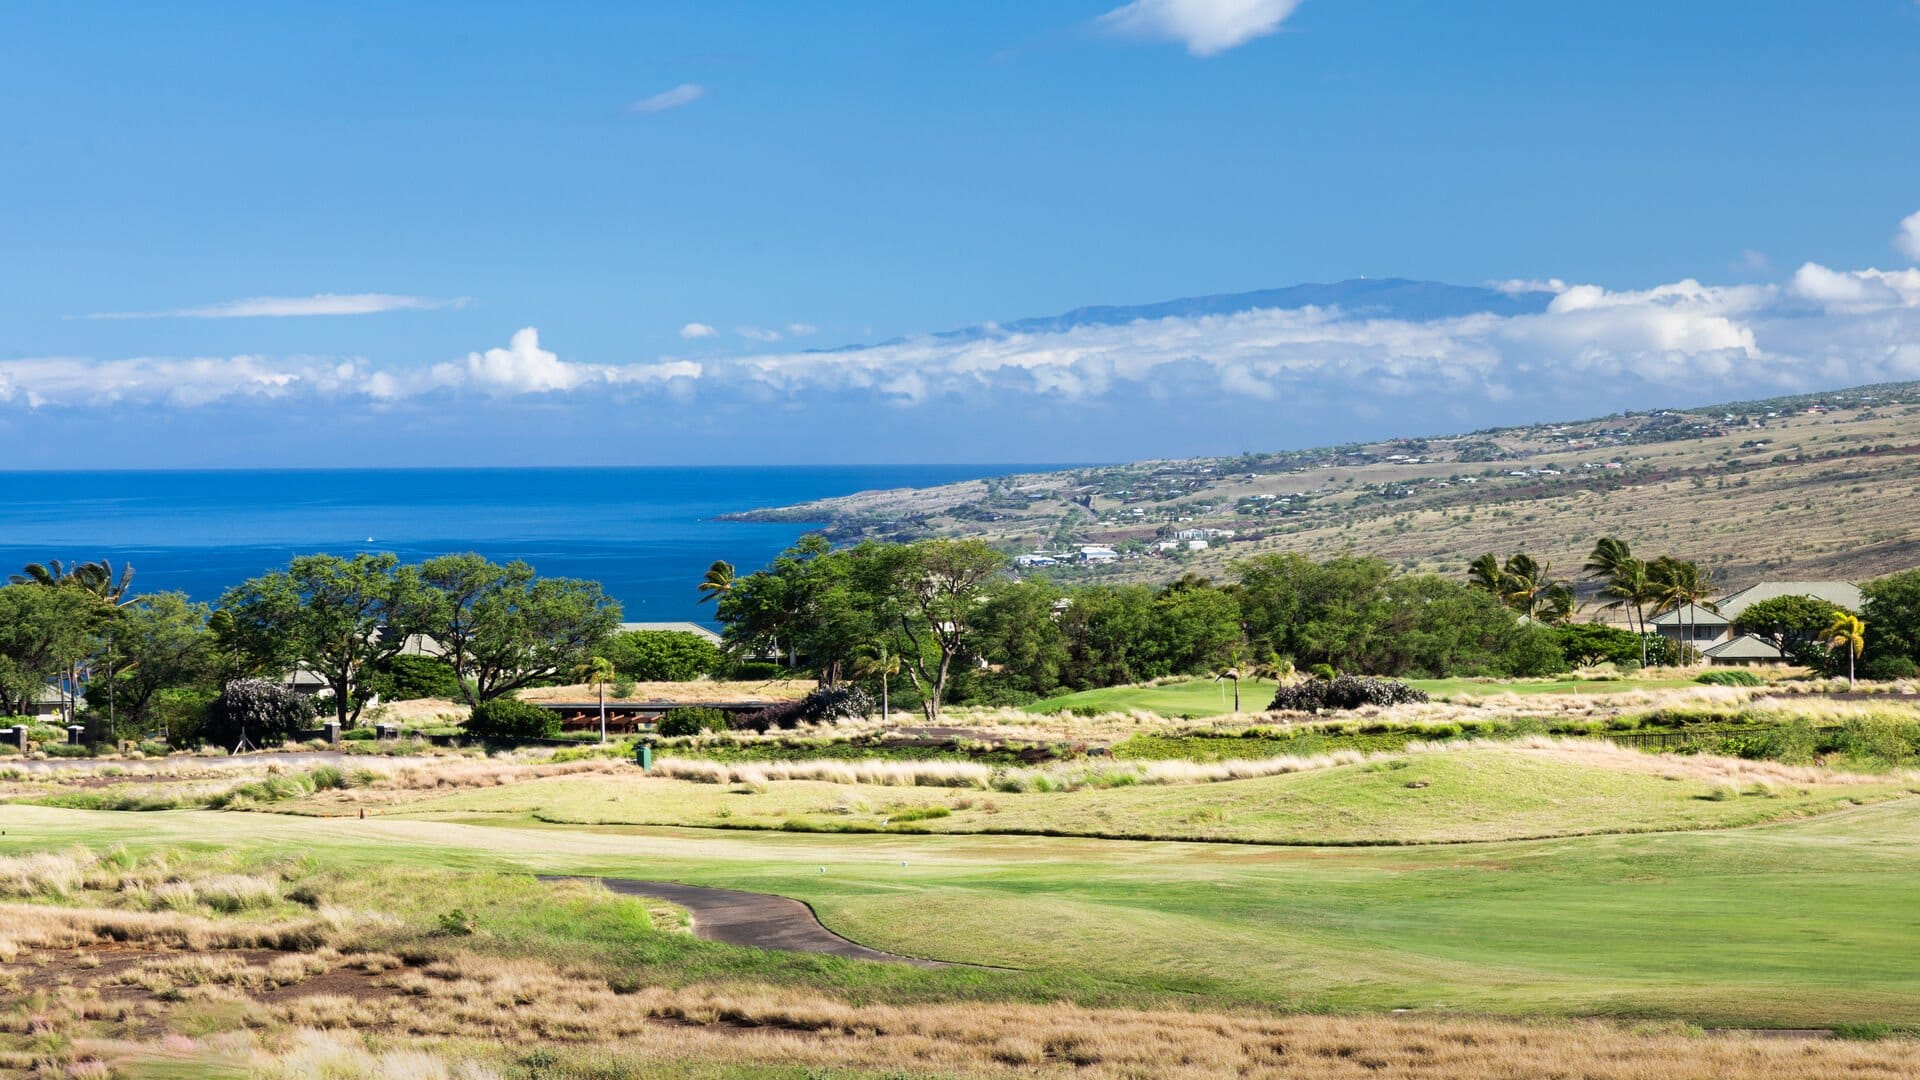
(1815, 486)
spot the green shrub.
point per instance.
(511, 718)
(1323, 672)
(1729, 677)
(1879, 739)
(1880, 668)
(692, 720)
(405, 678)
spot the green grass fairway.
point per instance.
(1198, 698)
(1446, 797)
(1804, 924)
(1193, 698)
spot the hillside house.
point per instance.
(1712, 631)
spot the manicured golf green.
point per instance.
(1803, 924)
(1192, 698)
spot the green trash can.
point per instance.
(643, 755)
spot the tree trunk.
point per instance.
(1236, 693)
(603, 712)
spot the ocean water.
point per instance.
(646, 534)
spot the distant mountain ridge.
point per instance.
(1392, 298)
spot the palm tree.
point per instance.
(1627, 585)
(870, 664)
(1849, 632)
(598, 672)
(1526, 583)
(95, 577)
(718, 581)
(1682, 585)
(1484, 573)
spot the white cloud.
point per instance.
(1205, 27)
(1907, 240)
(1518, 286)
(1591, 345)
(1753, 262)
(800, 329)
(684, 94)
(697, 330)
(277, 307)
(522, 368)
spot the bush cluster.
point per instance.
(1729, 677)
(266, 712)
(1343, 692)
(824, 705)
(511, 718)
(692, 720)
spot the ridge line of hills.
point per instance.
(1818, 484)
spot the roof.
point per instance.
(673, 627)
(1745, 647)
(1843, 593)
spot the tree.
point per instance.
(504, 628)
(598, 672)
(1682, 587)
(44, 632)
(942, 583)
(95, 579)
(718, 581)
(1627, 585)
(1797, 625)
(663, 655)
(1891, 606)
(340, 617)
(1849, 633)
(876, 663)
(160, 642)
(1525, 585)
(257, 712)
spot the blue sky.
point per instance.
(489, 233)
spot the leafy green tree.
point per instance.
(157, 643)
(663, 655)
(409, 677)
(1797, 626)
(343, 618)
(1020, 632)
(504, 628)
(941, 583)
(1585, 644)
(1891, 606)
(44, 633)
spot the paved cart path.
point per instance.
(761, 920)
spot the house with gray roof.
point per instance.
(1712, 631)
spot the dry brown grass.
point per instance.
(444, 1012)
